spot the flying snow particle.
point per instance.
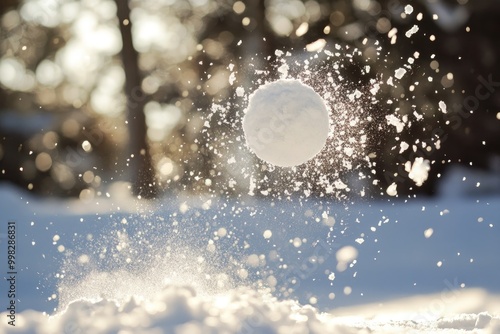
(240, 91)
(360, 240)
(374, 90)
(232, 78)
(286, 123)
(403, 146)
(392, 190)
(302, 29)
(316, 45)
(442, 106)
(419, 171)
(399, 73)
(408, 9)
(340, 185)
(428, 233)
(393, 120)
(410, 32)
(392, 34)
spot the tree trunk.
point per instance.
(141, 170)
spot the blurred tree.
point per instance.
(140, 166)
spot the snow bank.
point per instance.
(181, 309)
(174, 267)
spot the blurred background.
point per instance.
(95, 92)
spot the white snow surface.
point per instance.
(379, 276)
(286, 123)
(180, 309)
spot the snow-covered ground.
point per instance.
(207, 265)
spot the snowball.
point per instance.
(408, 9)
(286, 123)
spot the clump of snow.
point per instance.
(428, 233)
(393, 120)
(392, 189)
(403, 146)
(344, 256)
(232, 78)
(418, 171)
(240, 91)
(286, 123)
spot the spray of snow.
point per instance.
(342, 128)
